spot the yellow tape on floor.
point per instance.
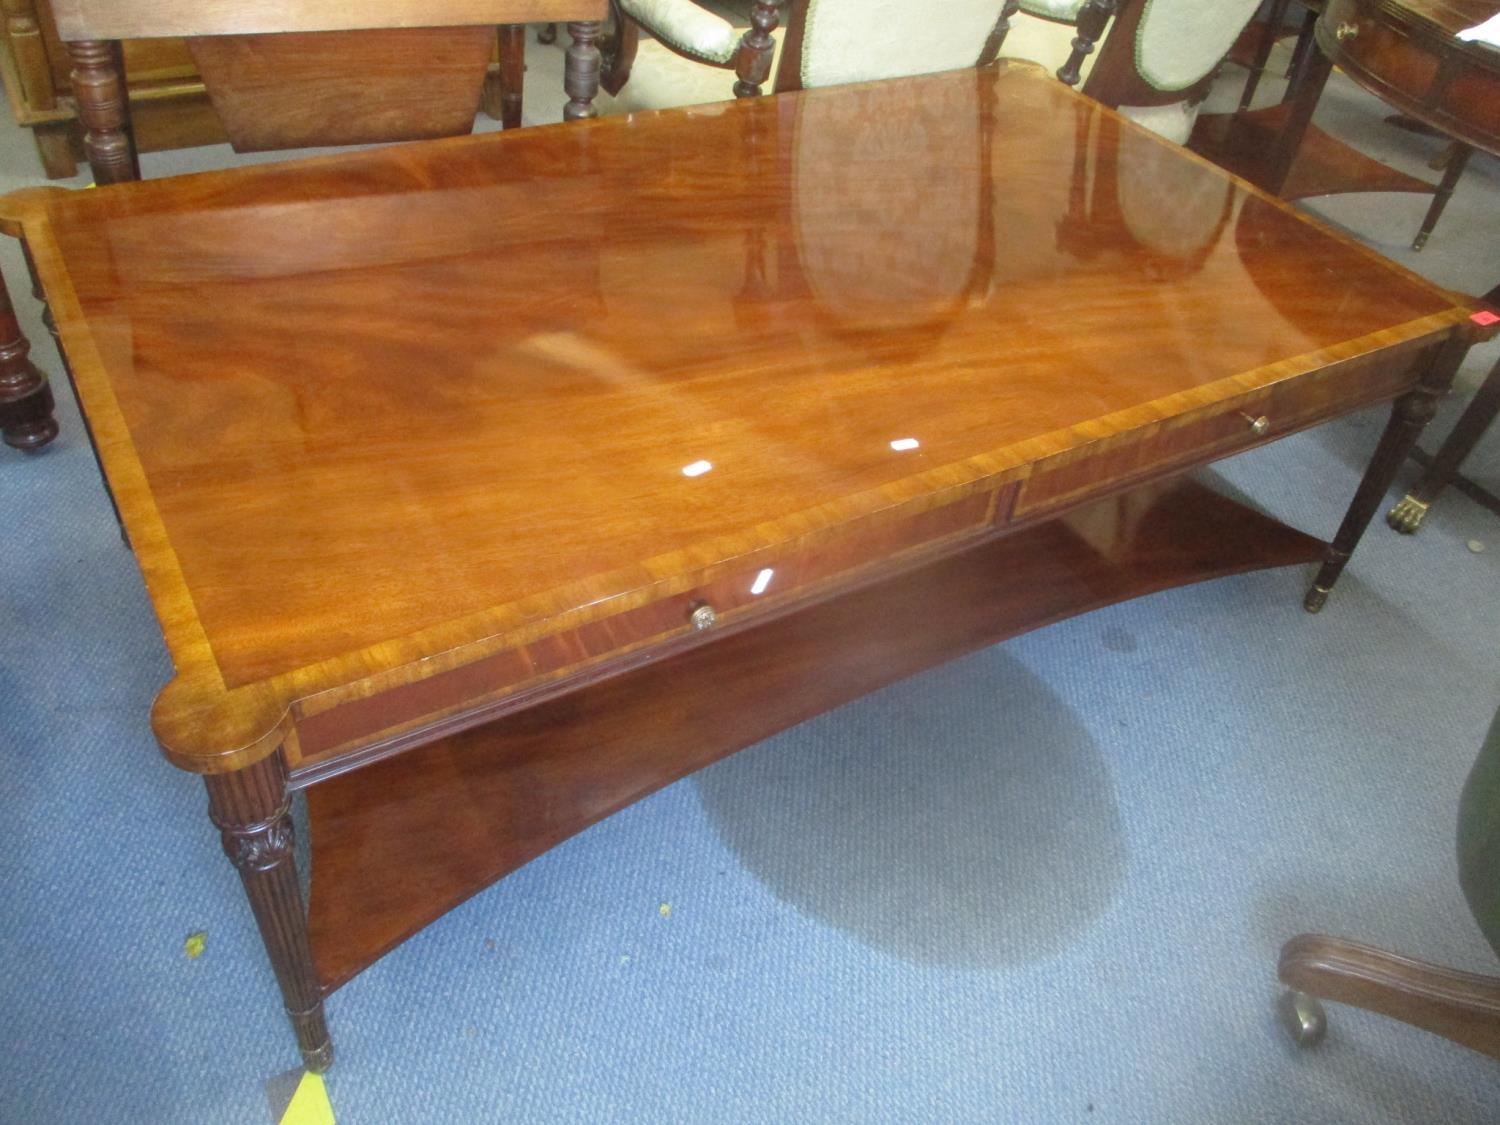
(309, 1104)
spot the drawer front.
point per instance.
(1228, 427)
(1384, 49)
(764, 585)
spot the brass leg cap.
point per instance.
(1315, 599)
(318, 1059)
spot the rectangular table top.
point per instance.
(369, 411)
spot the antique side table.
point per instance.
(484, 486)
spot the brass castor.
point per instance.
(1303, 1017)
(1407, 515)
(1315, 599)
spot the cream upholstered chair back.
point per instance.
(813, 43)
(869, 259)
(860, 40)
(1158, 61)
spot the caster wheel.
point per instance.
(1303, 1018)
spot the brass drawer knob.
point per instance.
(703, 617)
(1260, 425)
(1346, 31)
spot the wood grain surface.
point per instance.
(132, 19)
(374, 417)
(401, 842)
(305, 89)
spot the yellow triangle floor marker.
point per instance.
(309, 1104)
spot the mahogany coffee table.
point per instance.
(484, 486)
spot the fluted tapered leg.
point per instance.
(252, 810)
(1410, 414)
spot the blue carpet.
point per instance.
(1045, 883)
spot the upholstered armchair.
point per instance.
(1461, 1006)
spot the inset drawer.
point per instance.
(749, 590)
(1161, 448)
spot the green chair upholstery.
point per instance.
(1160, 57)
(1461, 1006)
(1479, 838)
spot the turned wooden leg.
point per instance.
(1463, 1007)
(1289, 140)
(1457, 161)
(581, 70)
(512, 74)
(1408, 515)
(1275, 18)
(26, 405)
(1001, 29)
(1412, 411)
(99, 87)
(1091, 20)
(251, 809)
(752, 64)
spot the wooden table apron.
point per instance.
(944, 347)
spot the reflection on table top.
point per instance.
(435, 389)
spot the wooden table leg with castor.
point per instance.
(1409, 513)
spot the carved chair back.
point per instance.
(1160, 58)
(824, 42)
(832, 42)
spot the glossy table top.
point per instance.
(364, 411)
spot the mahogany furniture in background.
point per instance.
(1463, 1007)
(170, 105)
(26, 421)
(290, 73)
(475, 565)
(1263, 35)
(1442, 470)
(1406, 52)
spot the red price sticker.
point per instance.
(1484, 318)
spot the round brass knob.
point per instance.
(1259, 426)
(1346, 31)
(703, 617)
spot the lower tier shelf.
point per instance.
(400, 842)
(1243, 142)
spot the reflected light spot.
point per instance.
(901, 445)
(762, 580)
(697, 468)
